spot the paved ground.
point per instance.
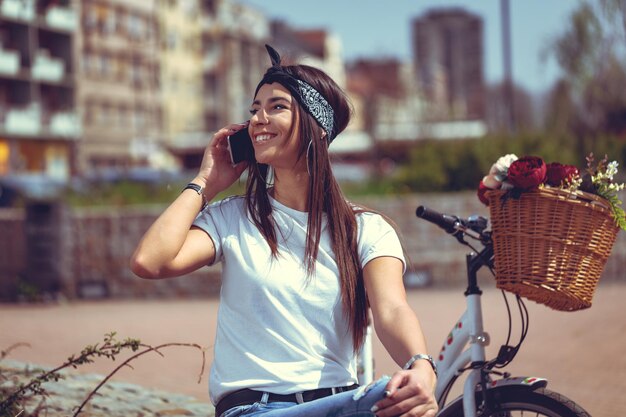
(581, 353)
(113, 399)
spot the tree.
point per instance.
(589, 99)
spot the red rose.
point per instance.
(557, 173)
(482, 189)
(527, 172)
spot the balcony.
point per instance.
(9, 61)
(47, 67)
(212, 59)
(237, 20)
(26, 121)
(64, 124)
(62, 18)
(18, 9)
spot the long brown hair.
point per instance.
(325, 197)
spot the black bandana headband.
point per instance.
(308, 97)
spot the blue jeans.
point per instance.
(355, 403)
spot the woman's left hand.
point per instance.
(410, 393)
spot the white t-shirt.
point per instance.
(279, 330)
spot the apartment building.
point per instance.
(448, 58)
(391, 105)
(233, 60)
(180, 28)
(119, 84)
(39, 127)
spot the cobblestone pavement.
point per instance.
(112, 399)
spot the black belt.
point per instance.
(248, 396)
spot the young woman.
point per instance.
(301, 266)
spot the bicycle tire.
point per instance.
(514, 401)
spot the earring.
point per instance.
(269, 175)
(308, 160)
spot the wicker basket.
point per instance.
(550, 245)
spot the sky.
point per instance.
(375, 28)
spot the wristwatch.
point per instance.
(198, 189)
(418, 357)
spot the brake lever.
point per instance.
(473, 227)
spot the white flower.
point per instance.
(611, 169)
(490, 181)
(500, 169)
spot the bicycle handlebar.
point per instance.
(473, 226)
(447, 222)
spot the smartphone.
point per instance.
(240, 147)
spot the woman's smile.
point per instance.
(263, 137)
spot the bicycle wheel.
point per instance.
(513, 401)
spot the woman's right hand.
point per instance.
(216, 170)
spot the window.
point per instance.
(96, 113)
(89, 110)
(190, 8)
(94, 64)
(91, 17)
(140, 118)
(172, 40)
(101, 12)
(209, 6)
(110, 22)
(124, 116)
(122, 68)
(105, 66)
(105, 115)
(135, 73)
(135, 26)
(84, 62)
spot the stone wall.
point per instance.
(12, 247)
(96, 245)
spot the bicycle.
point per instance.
(487, 391)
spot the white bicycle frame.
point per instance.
(465, 345)
(452, 358)
(365, 359)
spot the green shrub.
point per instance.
(460, 165)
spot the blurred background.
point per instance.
(106, 107)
